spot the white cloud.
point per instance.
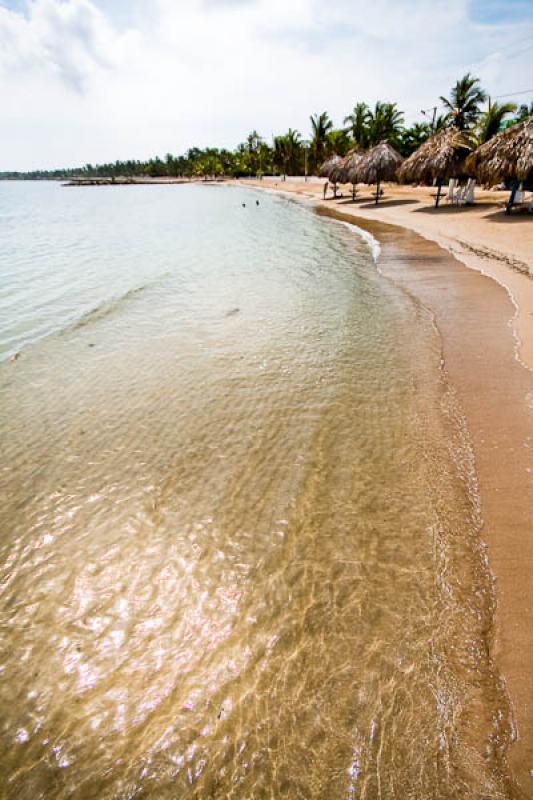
(200, 72)
(69, 40)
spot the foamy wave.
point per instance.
(103, 309)
(372, 242)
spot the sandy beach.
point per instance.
(485, 317)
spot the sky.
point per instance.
(88, 81)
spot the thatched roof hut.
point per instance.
(379, 164)
(351, 164)
(338, 172)
(330, 164)
(440, 157)
(507, 155)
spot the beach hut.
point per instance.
(439, 158)
(329, 170)
(338, 172)
(507, 156)
(378, 164)
(328, 165)
(351, 163)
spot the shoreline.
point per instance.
(481, 236)
(482, 302)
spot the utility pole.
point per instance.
(433, 119)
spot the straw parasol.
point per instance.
(379, 164)
(507, 155)
(332, 169)
(328, 165)
(351, 163)
(440, 157)
(338, 172)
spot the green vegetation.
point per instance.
(289, 154)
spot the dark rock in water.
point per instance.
(232, 312)
(91, 344)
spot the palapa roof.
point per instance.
(338, 172)
(351, 163)
(379, 163)
(442, 156)
(343, 170)
(507, 155)
(328, 165)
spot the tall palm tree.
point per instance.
(524, 112)
(320, 127)
(491, 120)
(464, 101)
(287, 151)
(338, 141)
(411, 138)
(385, 123)
(357, 123)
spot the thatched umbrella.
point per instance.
(329, 170)
(351, 163)
(338, 172)
(440, 157)
(379, 164)
(328, 165)
(507, 155)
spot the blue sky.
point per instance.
(498, 11)
(95, 80)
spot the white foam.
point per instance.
(372, 242)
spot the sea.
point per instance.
(240, 550)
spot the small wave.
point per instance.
(13, 348)
(103, 309)
(372, 242)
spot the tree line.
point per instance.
(291, 154)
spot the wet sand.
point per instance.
(479, 323)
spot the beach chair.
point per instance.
(458, 195)
(451, 190)
(467, 198)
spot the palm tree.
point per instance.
(524, 112)
(411, 138)
(320, 127)
(492, 119)
(338, 141)
(293, 145)
(357, 123)
(385, 123)
(287, 151)
(463, 105)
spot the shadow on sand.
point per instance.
(517, 217)
(389, 203)
(449, 208)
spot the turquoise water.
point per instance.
(240, 552)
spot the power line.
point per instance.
(519, 53)
(513, 94)
(519, 41)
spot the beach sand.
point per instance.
(486, 324)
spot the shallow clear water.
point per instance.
(239, 552)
